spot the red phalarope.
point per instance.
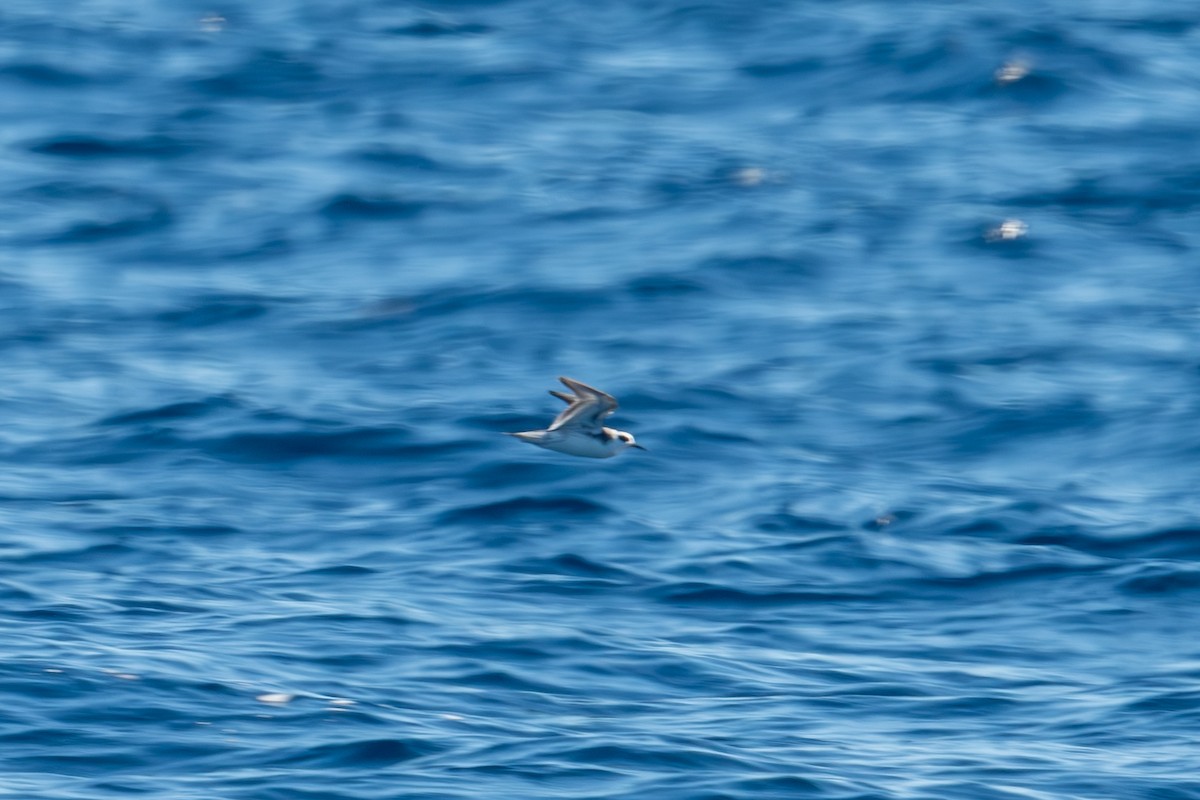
(577, 430)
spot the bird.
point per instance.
(577, 430)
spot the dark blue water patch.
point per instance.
(569, 575)
(698, 593)
(167, 531)
(270, 245)
(389, 442)
(94, 759)
(549, 301)
(381, 207)
(98, 556)
(540, 649)
(936, 69)
(785, 68)
(1060, 46)
(184, 410)
(515, 76)
(84, 147)
(784, 522)
(1173, 543)
(1001, 357)
(13, 593)
(782, 786)
(262, 789)
(385, 624)
(1173, 580)
(697, 435)
(1037, 573)
(507, 474)
(99, 449)
(45, 75)
(217, 309)
(397, 158)
(656, 757)
(932, 64)
(1188, 701)
(341, 570)
(149, 607)
(1035, 87)
(1169, 790)
(438, 26)
(998, 427)
(275, 75)
(362, 754)
(569, 564)
(751, 271)
(665, 285)
(527, 508)
(532, 689)
(63, 212)
(61, 613)
(30, 681)
(1160, 189)
(1163, 23)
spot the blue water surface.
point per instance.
(904, 300)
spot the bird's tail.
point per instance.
(527, 436)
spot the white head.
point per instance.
(626, 440)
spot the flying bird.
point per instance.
(577, 430)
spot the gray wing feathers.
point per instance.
(582, 389)
(586, 409)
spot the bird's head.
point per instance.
(627, 440)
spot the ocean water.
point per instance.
(904, 300)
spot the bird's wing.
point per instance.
(587, 409)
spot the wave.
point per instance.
(567, 506)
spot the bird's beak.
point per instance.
(639, 447)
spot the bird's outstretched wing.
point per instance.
(587, 407)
